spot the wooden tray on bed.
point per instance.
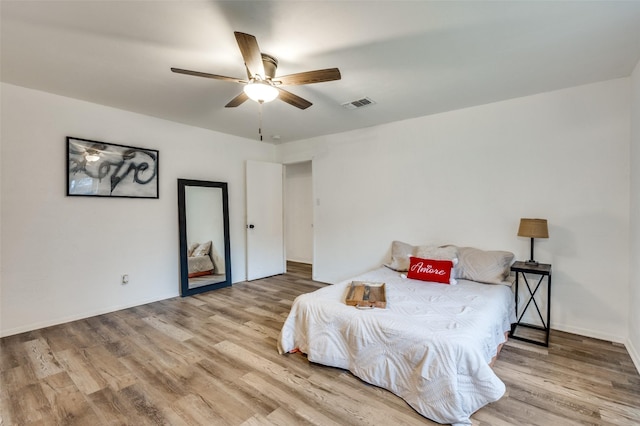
(363, 294)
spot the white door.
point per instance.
(265, 232)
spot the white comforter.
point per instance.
(431, 346)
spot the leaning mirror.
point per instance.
(203, 212)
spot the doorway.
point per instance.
(298, 212)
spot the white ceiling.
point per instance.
(413, 58)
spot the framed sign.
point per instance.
(100, 169)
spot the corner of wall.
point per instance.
(633, 340)
(633, 353)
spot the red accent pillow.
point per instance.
(438, 271)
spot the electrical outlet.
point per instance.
(125, 279)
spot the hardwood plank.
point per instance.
(13, 353)
(67, 404)
(247, 399)
(356, 403)
(283, 417)
(301, 406)
(257, 420)
(147, 409)
(24, 406)
(85, 377)
(42, 359)
(196, 411)
(151, 374)
(170, 330)
(112, 409)
(112, 371)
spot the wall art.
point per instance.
(100, 169)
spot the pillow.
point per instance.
(400, 253)
(489, 267)
(437, 253)
(202, 250)
(433, 270)
(191, 249)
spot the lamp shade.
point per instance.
(261, 92)
(533, 228)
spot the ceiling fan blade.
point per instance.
(318, 76)
(207, 75)
(294, 100)
(251, 54)
(238, 100)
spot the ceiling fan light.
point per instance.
(261, 92)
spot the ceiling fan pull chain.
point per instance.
(260, 115)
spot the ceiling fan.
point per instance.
(261, 84)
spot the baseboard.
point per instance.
(633, 353)
(43, 324)
(590, 333)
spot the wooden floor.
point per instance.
(211, 359)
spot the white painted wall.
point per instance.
(633, 343)
(62, 257)
(299, 212)
(466, 177)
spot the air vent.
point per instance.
(359, 103)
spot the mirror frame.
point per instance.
(182, 219)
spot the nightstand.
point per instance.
(541, 270)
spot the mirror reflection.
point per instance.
(204, 241)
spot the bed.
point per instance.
(432, 345)
(203, 259)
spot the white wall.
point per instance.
(62, 257)
(299, 212)
(466, 177)
(633, 343)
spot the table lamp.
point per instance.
(533, 228)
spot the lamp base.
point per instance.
(531, 262)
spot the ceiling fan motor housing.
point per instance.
(270, 65)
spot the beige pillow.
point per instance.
(191, 249)
(490, 267)
(202, 250)
(436, 253)
(400, 253)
